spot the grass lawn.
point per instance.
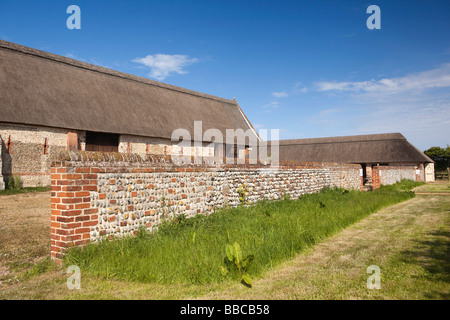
(439, 186)
(409, 241)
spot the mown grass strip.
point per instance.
(194, 250)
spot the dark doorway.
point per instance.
(231, 151)
(104, 142)
(364, 170)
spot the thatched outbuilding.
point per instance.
(390, 149)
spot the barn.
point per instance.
(50, 103)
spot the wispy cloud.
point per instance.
(259, 126)
(434, 78)
(300, 88)
(271, 105)
(162, 65)
(425, 123)
(417, 105)
(328, 112)
(75, 57)
(295, 89)
(91, 61)
(280, 94)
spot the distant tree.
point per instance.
(440, 156)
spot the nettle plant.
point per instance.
(235, 263)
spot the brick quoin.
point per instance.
(376, 182)
(72, 216)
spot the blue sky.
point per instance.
(308, 68)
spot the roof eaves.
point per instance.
(247, 121)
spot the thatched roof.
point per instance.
(373, 148)
(40, 88)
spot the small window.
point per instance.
(103, 142)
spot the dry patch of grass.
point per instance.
(24, 232)
(26, 271)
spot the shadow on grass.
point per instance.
(433, 255)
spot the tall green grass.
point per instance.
(193, 250)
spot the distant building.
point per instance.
(391, 149)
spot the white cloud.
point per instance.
(434, 78)
(271, 105)
(91, 61)
(162, 65)
(417, 105)
(299, 88)
(328, 112)
(75, 57)
(259, 126)
(279, 94)
(425, 123)
(303, 90)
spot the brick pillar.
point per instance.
(376, 182)
(71, 214)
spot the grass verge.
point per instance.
(193, 251)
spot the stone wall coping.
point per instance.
(119, 159)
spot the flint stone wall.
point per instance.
(387, 175)
(392, 175)
(98, 195)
